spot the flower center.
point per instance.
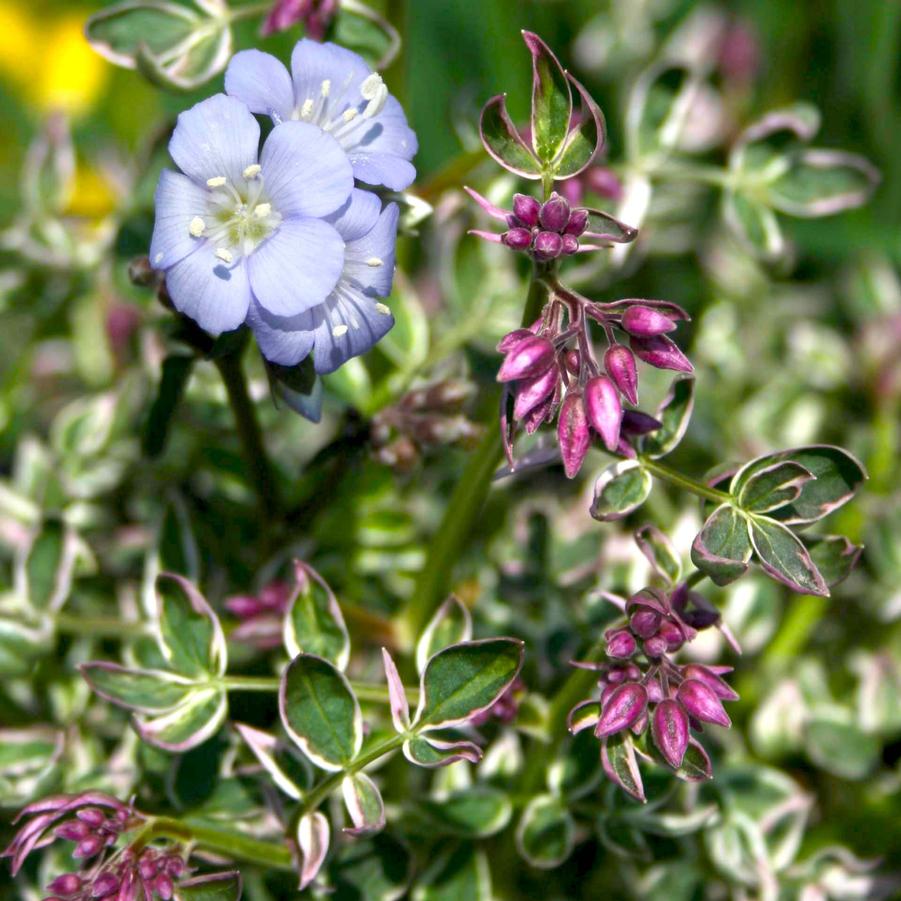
(334, 114)
(238, 216)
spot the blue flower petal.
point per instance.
(217, 137)
(358, 216)
(381, 169)
(178, 200)
(262, 82)
(378, 244)
(381, 153)
(297, 266)
(281, 340)
(348, 324)
(312, 63)
(214, 295)
(305, 170)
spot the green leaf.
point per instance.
(660, 553)
(48, 566)
(374, 869)
(212, 887)
(674, 414)
(545, 835)
(823, 183)
(837, 744)
(773, 486)
(695, 766)
(188, 724)
(191, 637)
(552, 103)
(313, 837)
(722, 549)
(20, 646)
(754, 225)
(586, 136)
(364, 804)
(658, 109)
(430, 752)
(289, 772)
(29, 763)
(784, 558)
(176, 371)
(463, 873)
(451, 624)
(145, 691)
(407, 344)
(118, 32)
(314, 623)
(320, 712)
(475, 812)
(361, 29)
(465, 679)
(620, 764)
(503, 142)
(204, 57)
(49, 171)
(834, 556)
(621, 488)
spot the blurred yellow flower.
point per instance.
(92, 194)
(70, 77)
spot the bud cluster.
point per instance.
(423, 419)
(505, 708)
(644, 688)
(260, 614)
(551, 368)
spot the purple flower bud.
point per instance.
(526, 209)
(573, 434)
(625, 706)
(700, 702)
(517, 238)
(148, 866)
(162, 885)
(604, 410)
(532, 392)
(644, 622)
(604, 182)
(544, 412)
(511, 339)
(89, 846)
(672, 635)
(640, 724)
(67, 884)
(620, 365)
(669, 729)
(620, 643)
(636, 423)
(660, 352)
(718, 686)
(578, 222)
(654, 646)
(570, 245)
(93, 816)
(528, 358)
(554, 214)
(573, 361)
(175, 866)
(548, 245)
(105, 884)
(655, 691)
(644, 322)
(72, 831)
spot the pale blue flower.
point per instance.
(333, 88)
(244, 227)
(352, 318)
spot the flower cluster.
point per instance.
(551, 368)
(644, 687)
(315, 15)
(280, 238)
(260, 614)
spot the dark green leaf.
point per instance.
(586, 136)
(191, 636)
(754, 225)
(674, 413)
(552, 103)
(722, 548)
(773, 486)
(834, 556)
(212, 887)
(660, 553)
(475, 812)
(176, 371)
(545, 835)
(314, 624)
(503, 142)
(451, 624)
(783, 557)
(464, 873)
(620, 764)
(142, 690)
(621, 488)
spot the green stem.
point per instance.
(696, 577)
(249, 11)
(221, 841)
(686, 483)
(319, 792)
(252, 446)
(365, 691)
(101, 626)
(456, 528)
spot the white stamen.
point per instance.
(158, 258)
(262, 210)
(307, 109)
(326, 87)
(196, 227)
(381, 308)
(224, 254)
(339, 331)
(374, 262)
(371, 85)
(349, 115)
(216, 182)
(252, 171)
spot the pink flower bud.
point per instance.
(511, 339)
(554, 213)
(530, 357)
(572, 190)
(548, 245)
(717, 685)
(655, 691)
(625, 705)
(570, 244)
(573, 434)
(72, 831)
(669, 728)
(620, 643)
(654, 646)
(105, 884)
(67, 884)
(644, 322)
(604, 182)
(544, 412)
(620, 365)
(672, 635)
(573, 360)
(162, 885)
(700, 702)
(660, 352)
(604, 410)
(89, 846)
(526, 209)
(532, 392)
(517, 238)
(644, 622)
(93, 816)
(578, 222)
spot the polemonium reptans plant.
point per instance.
(535, 596)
